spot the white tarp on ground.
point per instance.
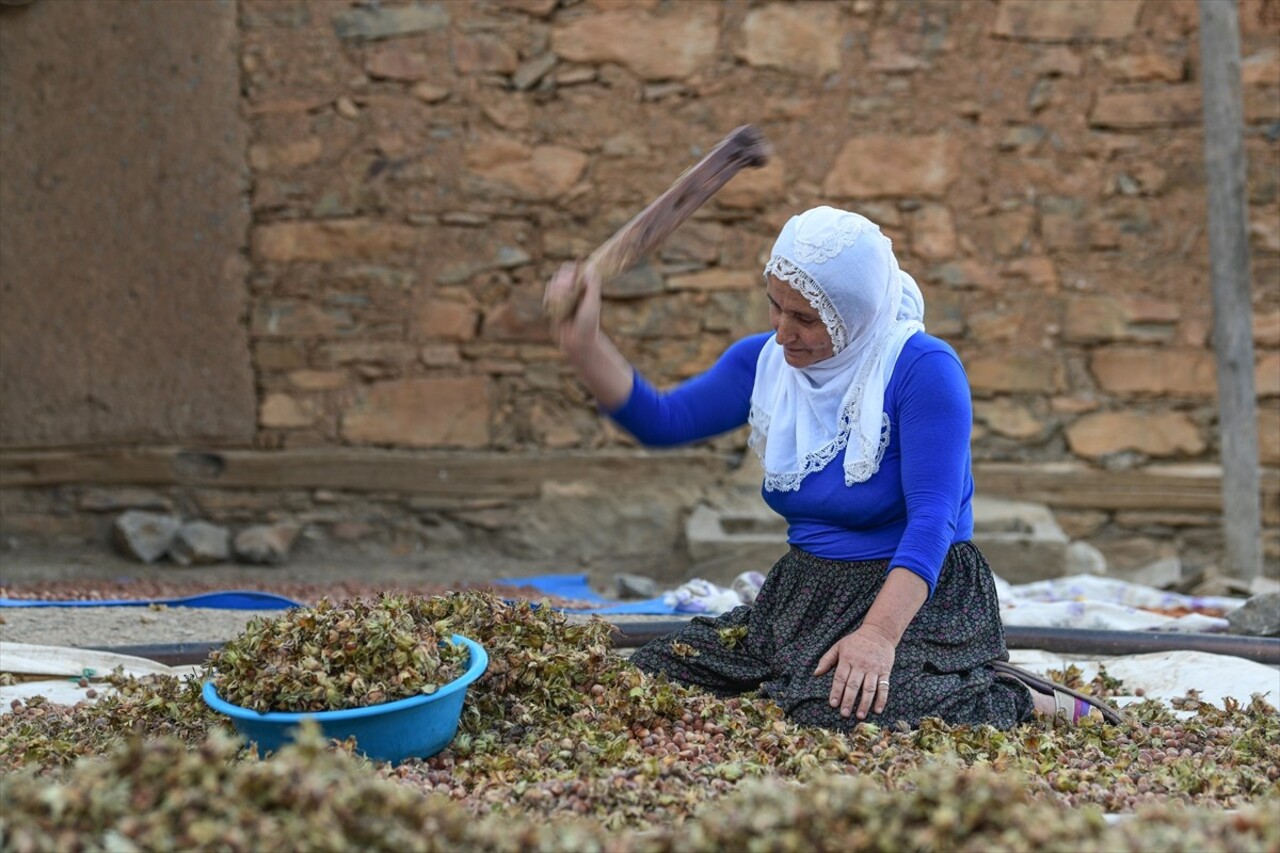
(55, 672)
(1087, 602)
(1166, 675)
(1160, 675)
(1105, 604)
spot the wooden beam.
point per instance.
(455, 476)
(469, 475)
(1069, 485)
(1232, 289)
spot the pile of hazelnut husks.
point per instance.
(560, 728)
(331, 657)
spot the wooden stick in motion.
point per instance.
(744, 148)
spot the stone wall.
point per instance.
(418, 169)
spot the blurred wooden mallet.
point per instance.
(744, 148)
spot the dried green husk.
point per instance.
(40, 734)
(334, 656)
(560, 726)
(163, 795)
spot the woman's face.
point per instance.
(800, 331)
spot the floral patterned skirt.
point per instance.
(807, 603)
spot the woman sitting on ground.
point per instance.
(882, 610)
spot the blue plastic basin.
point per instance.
(416, 727)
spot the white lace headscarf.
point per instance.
(801, 418)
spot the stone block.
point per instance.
(284, 411)
(1085, 559)
(740, 534)
(1008, 418)
(752, 189)
(1012, 374)
(654, 47)
(558, 427)
(440, 355)
(144, 536)
(385, 353)
(279, 354)
(369, 23)
(1257, 617)
(530, 72)
(1022, 541)
(444, 412)
(965, 274)
(1153, 433)
(933, 233)
(716, 278)
(1145, 67)
(628, 585)
(1269, 435)
(1261, 69)
(1058, 61)
(670, 317)
(1065, 231)
(1143, 108)
(483, 53)
(121, 499)
(799, 38)
(333, 240)
(199, 543)
(641, 280)
(395, 62)
(445, 320)
(289, 155)
(520, 319)
(1039, 271)
(318, 380)
(682, 359)
(1066, 20)
(297, 319)
(1089, 319)
(889, 165)
(737, 313)
(1134, 370)
(264, 544)
(1080, 523)
(1264, 234)
(1266, 375)
(1163, 573)
(509, 112)
(512, 170)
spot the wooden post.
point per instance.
(1229, 272)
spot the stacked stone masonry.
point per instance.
(418, 169)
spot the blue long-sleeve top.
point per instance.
(910, 511)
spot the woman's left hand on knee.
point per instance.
(862, 662)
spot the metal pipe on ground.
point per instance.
(1068, 641)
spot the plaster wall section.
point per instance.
(123, 224)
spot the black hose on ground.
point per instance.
(1066, 641)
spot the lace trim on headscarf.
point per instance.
(833, 242)
(789, 481)
(816, 296)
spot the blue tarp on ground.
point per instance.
(233, 599)
(572, 587)
(575, 588)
